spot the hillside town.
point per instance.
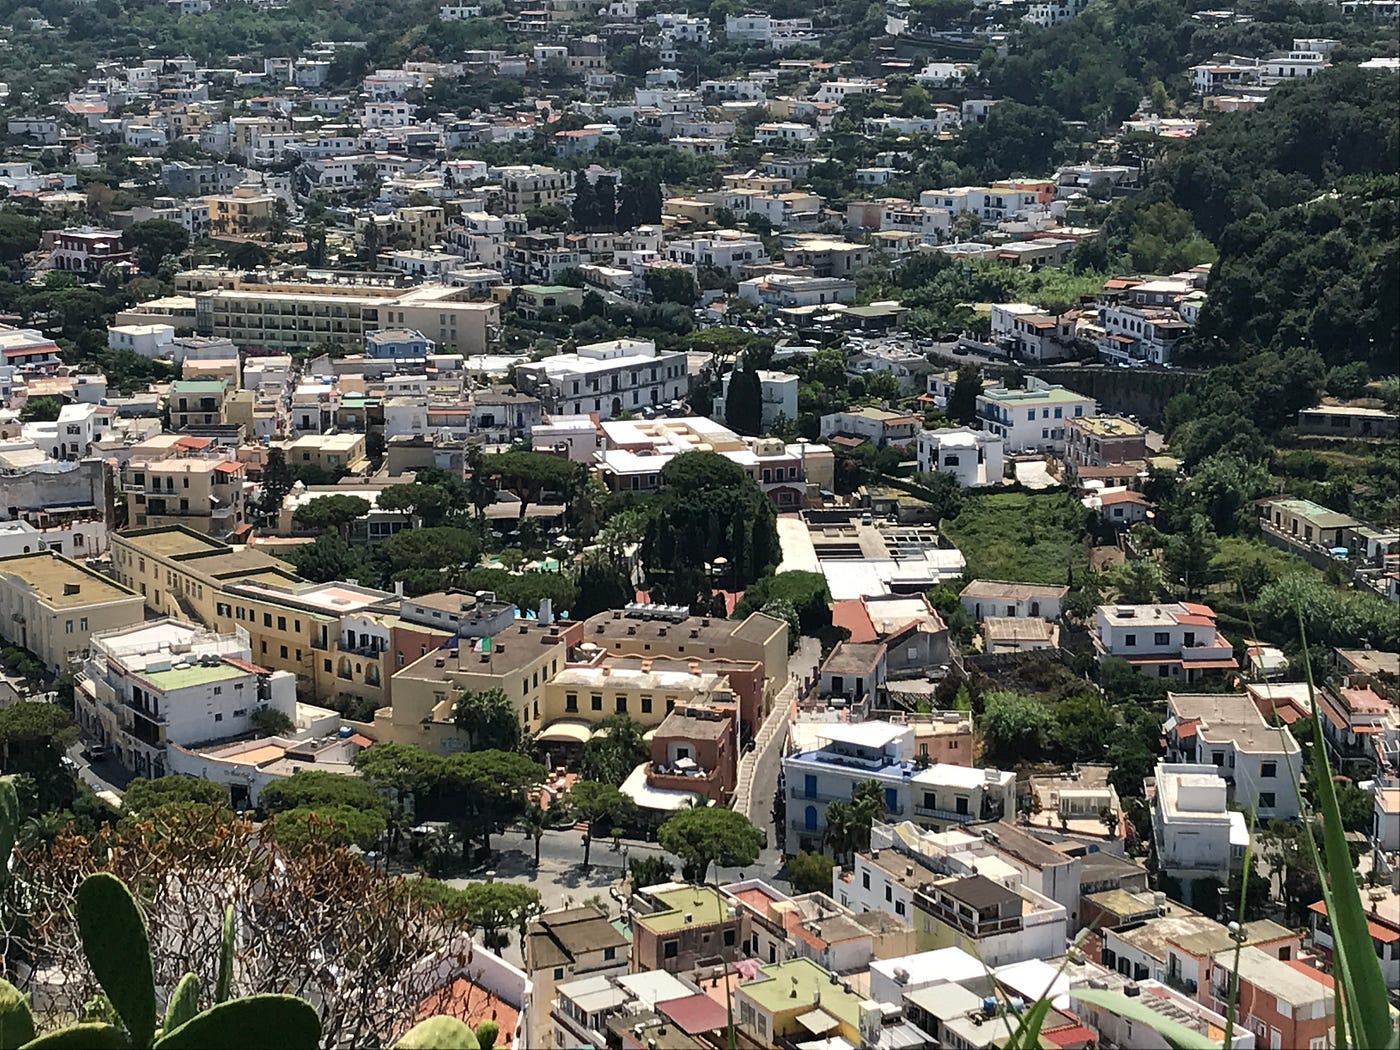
(834, 528)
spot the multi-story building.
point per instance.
(1260, 763)
(291, 314)
(996, 922)
(417, 228)
(569, 944)
(778, 391)
(196, 402)
(781, 291)
(1195, 834)
(248, 209)
(1284, 1003)
(879, 426)
(1382, 904)
(52, 606)
(166, 682)
(1027, 333)
(1099, 441)
(1177, 640)
(726, 250)
(184, 480)
(84, 250)
(675, 925)
(524, 187)
(914, 636)
(622, 375)
(973, 457)
(1033, 419)
(771, 1007)
(852, 753)
(68, 503)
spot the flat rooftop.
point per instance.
(61, 583)
(172, 542)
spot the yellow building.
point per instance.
(329, 452)
(520, 662)
(414, 229)
(196, 402)
(52, 606)
(292, 624)
(782, 999)
(295, 314)
(760, 637)
(248, 209)
(577, 698)
(178, 479)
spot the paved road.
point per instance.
(106, 774)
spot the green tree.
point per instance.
(276, 482)
(494, 907)
(672, 284)
(329, 825)
(268, 721)
(614, 750)
(708, 835)
(1188, 554)
(328, 557)
(810, 873)
(782, 609)
(535, 821)
(154, 240)
(601, 586)
(493, 784)
(1136, 581)
(428, 502)
(1014, 727)
(1080, 727)
(962, 399)
(318, 790)
(596, 802)
(488, 719)
(144, 797)
(331, 512)
(42, 409)
(650, 870)
(33, 739)
(806, 592)
(529, 474)
(743, 406)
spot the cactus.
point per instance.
(119, 952)
(225, 977)
(438, 1033)
(183, 1005)
(271, 1022)
(16, 1023)
(89, 1035)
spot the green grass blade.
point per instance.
(1177, 1035)
(1361, 987)
(1027, 1033)
(184, 1003)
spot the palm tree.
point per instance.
(42, 829)
(839, 835)
(535, 821)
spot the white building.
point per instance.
(984, 598)
(784, 290)
(1261, 763)
(1032, 419)
(851, 753)
(148, 340)
(1176, 641)
(1028, 333)
(779, 396)
(165, 682)
(725, 250)
(1196, 834)
(610, 378)
(974, 457)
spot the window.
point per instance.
(1268, 769)
(218, 717)
(67, 626)
(621, 705)
(729, 938)
(83, 624)
(670, 949)
(609, 954)
(1163, 670)
(596, 702)
(570, 701)
(559, 973)
(281, 623)
(646, 705)
(1267, 800)
(889, 892)
(267, 619)
(1130, 640)
(284, 652)
(218, 690)
(1161, 638)
(865, 880)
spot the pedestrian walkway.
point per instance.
(771, 736)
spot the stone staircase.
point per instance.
(775, 725)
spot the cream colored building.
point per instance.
(760, 637)
(578, 698)
(415, 228)
(52, 606)
(329, 452)
(248, 209)
(196, 402)
(520, 662)
(295, 314)
(175, 479)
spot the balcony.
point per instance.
(933, 813)
(798, 795)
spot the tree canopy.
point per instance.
(707, 835)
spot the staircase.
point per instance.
(775, 725)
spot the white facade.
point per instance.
(974, 457)
(623, 375)
(166, 682)
(1032, 419)
(779, 396)
(1175, 641)
(1194, 830)
(148, 340)
(1227, 732)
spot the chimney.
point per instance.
(398, 588)
(546, 616)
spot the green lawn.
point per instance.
(1024, 537)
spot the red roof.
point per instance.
(228, 467)
(245, 665)
(1384, 934)
(1075, 1035)
(694, 1014)
(469, 1002)
(1222, 665)
(1195, 620)
(1188, 728)
(1198, 609)
(851, 615)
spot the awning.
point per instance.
(666, 800)
(818, 1022)
(565, 731)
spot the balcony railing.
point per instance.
(943, 814)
